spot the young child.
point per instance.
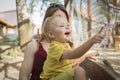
(59, 59)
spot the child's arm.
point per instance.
(81, 50)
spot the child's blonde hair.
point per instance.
(49, 23)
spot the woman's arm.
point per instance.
(84, 57)
(27, 63)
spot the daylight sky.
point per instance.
(7, 5)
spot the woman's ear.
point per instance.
(50, 34)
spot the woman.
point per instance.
(36, 52)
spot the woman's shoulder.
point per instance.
(32, 46)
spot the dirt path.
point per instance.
(10, 71)
(9, 67)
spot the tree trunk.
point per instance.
(24, 27)
(89, 18)
(109, 30)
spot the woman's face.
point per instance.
(60, 13)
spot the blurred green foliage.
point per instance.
(13, 52)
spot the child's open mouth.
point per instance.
(67, 33)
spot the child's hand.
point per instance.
(99, 36)
(91, 55)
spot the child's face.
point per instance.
(61, 31)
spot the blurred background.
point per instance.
(20, 21)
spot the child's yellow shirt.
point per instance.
(54, 64)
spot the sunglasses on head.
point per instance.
(56, 5)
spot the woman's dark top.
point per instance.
(39, 58)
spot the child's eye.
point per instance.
(61, 26)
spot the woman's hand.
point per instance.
(84, 57)
(37, 36)
(91, 55)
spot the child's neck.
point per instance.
(63, 43)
